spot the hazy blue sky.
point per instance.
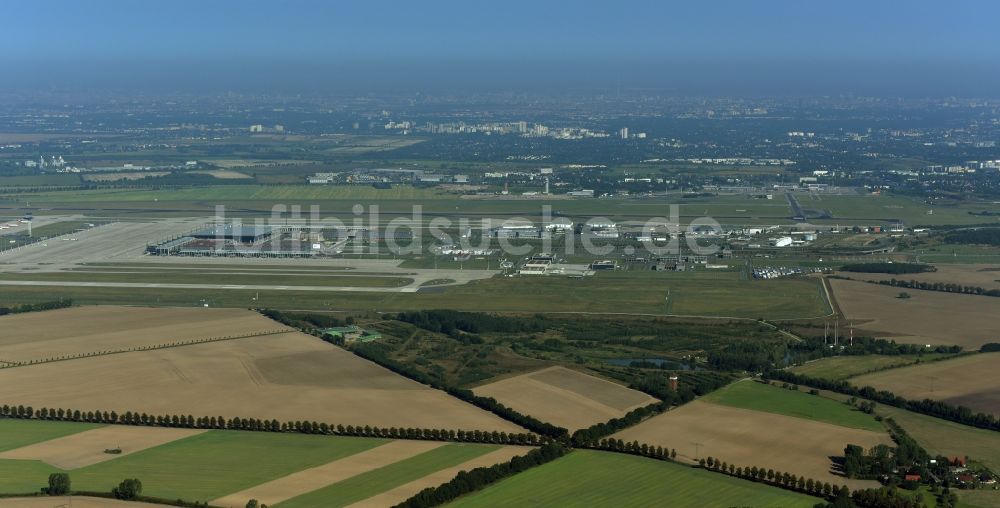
(950, 47)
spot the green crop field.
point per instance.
(982, 498)
(838, 368)
(956, 253)
(911, 211)
(24, 476)
(774, 399)
(596, 479)
(201, 467)
(11, 240)
(374, 482)
(60, 228)
(18, 433)
(724, 294)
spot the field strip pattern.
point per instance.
(593, 479)
(370, 484)
(601, 390)
(87, 447)
(403, 492)
(308, 480)
(300, 378)
(147, 347)
(18, 433)
(565, 397)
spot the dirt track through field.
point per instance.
(565, 397)
(86, 448)
(308, 480)
(754, 438)
(399, 494)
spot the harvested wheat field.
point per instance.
(289, 376)
(984, 276)
(81, 330)
(927, 317)
(298, 483)
(754, 438)
(222, 174)
(403, 492)
(565, 397)
(71, 502)
(969, 381)
(86, 448)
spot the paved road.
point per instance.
(797, 212)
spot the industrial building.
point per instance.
(235, 240)
(351, 333)
(606, 264)
(516, 231)
(234, 232)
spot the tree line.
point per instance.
(471, 481)
(946, 287)
(884, 498)
(690, 385)
(129, 489)
(264, 425)
(631, 448)
(984, 236)
(35, 307)
(938, 409)
(784, 480)
(891, 268)
(447, 321)
(297, 320)
(748, 356)
(814, 347)
(589, 437)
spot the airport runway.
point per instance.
(406, 289)
(125, 243)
